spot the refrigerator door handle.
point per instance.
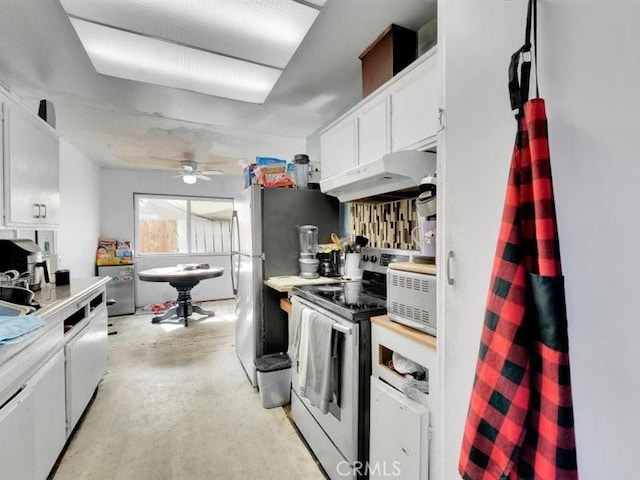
(234, 273)
(235, 269)
(235, 233)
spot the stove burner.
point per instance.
(357, 303)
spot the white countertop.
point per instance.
(52, 299)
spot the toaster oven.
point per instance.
(411, 299)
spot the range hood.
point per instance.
(394, 171)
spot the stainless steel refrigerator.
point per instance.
(120, 288)
(265, 244)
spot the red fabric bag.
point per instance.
(520, 422)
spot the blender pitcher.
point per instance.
(308, 248)
(308, 241)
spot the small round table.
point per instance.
(183, 281)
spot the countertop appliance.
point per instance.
(308, 250)
(24, 255)
(120, 288)
(265, 243)
(340, 438)
(411, 299)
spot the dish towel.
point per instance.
(303, 349)
(319, 358)
(294, 329)
(520, 421)
(14, 329)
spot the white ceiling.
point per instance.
(121, 123)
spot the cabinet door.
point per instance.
(31, 170)
(86, 356)
(49, 183)
(373, 132)
(49, 414)
(399, 434)
(100, 333)
(338, 148)
(17, 452)
(414, 107)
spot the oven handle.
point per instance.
(339, 328)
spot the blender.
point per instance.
(308, 248)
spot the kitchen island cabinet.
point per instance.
(31, 164)
(36, 374)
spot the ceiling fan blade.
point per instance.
(178, 176)
(203, 177)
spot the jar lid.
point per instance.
(301, 158)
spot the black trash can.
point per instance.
(274, 379)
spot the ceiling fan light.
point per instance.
(189, 179)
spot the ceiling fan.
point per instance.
(190, 173)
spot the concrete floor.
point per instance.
(176, 404)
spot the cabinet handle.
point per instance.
(36, 210)
(45, 210)
(450, 256)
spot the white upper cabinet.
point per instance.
(31, 169)
(338, 147)
(400, 115)
(373, 131)
(414, 107)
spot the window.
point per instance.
(182, 225)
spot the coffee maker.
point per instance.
(424, 235)
(24, 255)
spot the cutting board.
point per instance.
(427, 268)
(286, 283)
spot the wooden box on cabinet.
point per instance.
(392, 51)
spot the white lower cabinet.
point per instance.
(33, 425)
(17, 438)
(45, 386)
(49, 414)
(86, 356)
(399, 435)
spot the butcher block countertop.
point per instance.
(417, 335)
(287, 282)
(427, 268)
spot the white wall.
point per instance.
(79, 230)
(117, 221)
(589, 70)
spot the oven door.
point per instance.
(340, 423)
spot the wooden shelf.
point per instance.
(421, 337)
